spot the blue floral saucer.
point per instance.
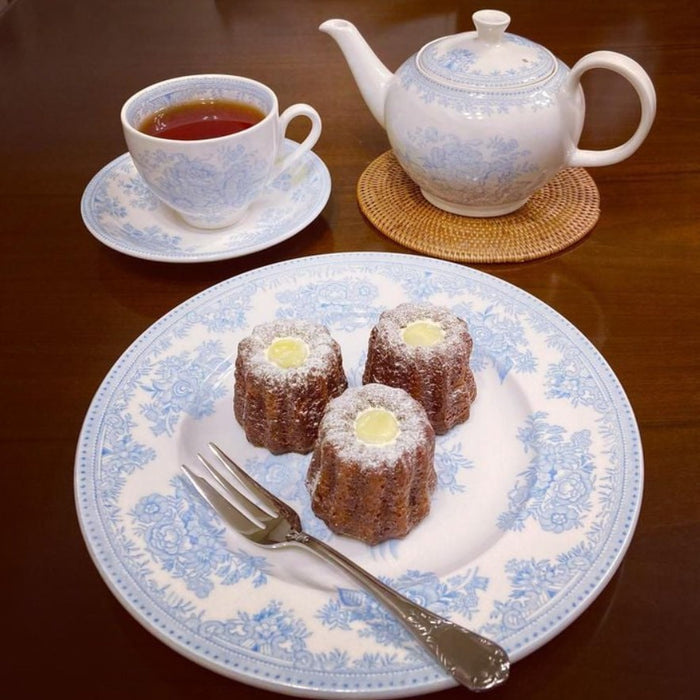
(120, 211)
(537, 498)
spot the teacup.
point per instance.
(211, 182)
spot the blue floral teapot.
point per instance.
(482, 119)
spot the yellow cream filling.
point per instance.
(287, 352)
(376, 426)
(422, 333)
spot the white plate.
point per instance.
(120, 211)
(538, 494)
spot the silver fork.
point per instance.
(474, 661)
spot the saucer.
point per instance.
(120, 210)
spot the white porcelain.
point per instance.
(540, 489)
(482, 119)
(212, 182)
(121, 211)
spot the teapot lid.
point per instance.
(488, 58)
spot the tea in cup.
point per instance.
(207, 145)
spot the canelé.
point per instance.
(286, 373)
(425, 350)
(371, 474)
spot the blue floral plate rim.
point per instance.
(119, 210)
(553, 494)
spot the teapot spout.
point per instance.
(371, 75)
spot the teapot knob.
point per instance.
(490, 25)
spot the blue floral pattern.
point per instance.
(194, 184)
(556, 487)
(478, 98)
(190, 546)
(272, 632)
(332, 303)
(570, 380)
(184, 537)
(353, 609)
(460, 169)
(449, 463)
(121, 211)
(454, 121)
(572, 486)
(180, 384)
(456, 64)
(499, 341)
(457, 61)
(534, 584)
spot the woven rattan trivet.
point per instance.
(556, 216)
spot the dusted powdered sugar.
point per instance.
(437, 375)
(367, 491)
(338, 425)
(321, 346)
(456, 336)
(280, 407)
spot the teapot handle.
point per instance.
(632, 71)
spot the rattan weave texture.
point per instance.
(554, 218)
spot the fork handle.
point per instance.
(474, 661)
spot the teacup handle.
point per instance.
(297, 110)
(632, 71)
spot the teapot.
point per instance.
(482, 119)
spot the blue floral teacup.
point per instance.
(211, 181)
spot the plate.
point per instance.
(537, 500)
(120, 210)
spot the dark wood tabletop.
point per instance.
(71, 306)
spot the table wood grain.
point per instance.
(71, 306)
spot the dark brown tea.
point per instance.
(205, 119)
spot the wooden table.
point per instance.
(71, 306)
